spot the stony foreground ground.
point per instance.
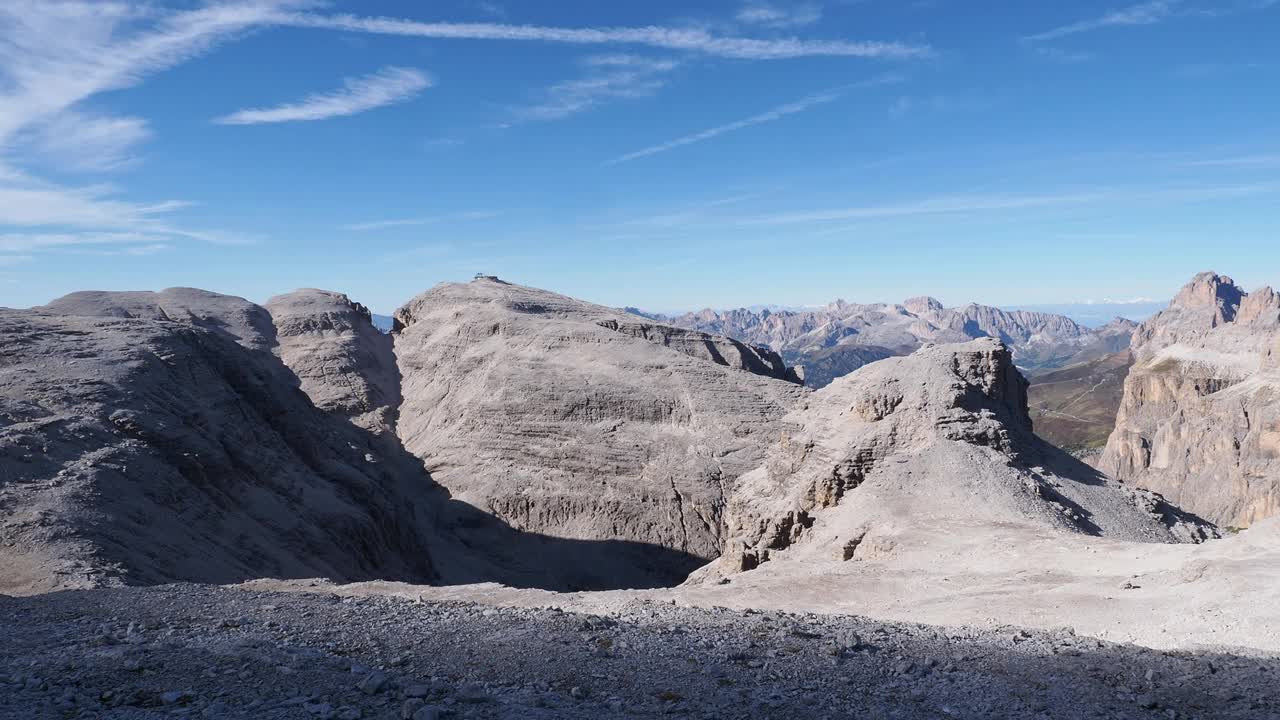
(210, 652)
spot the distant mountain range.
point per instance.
(836, 339)
(1096, 314)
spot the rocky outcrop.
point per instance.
(841, 337)
(344, 364)
(943, 434)
(577, 421)
(1200, 418)
(136, 448)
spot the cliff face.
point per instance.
(943, 434)
(344, 364)
(576, 421)
(1200, 418)
(146, 450)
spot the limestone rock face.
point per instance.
(573, 420)
(345, 364)
(841, 337)
(942, 434)
(138, 449)
(1200, 417)
(237, 318)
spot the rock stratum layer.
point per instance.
(941, 436)
(841, 337)
(570, 419)
(141, 442)
(1200, 418)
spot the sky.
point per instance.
(661, 154)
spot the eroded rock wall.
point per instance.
(1200, 418)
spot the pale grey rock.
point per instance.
(153, 450)
(345, 364)
(248, 324)
(941, 434)
(575, 421)
(1200, 418)
(683, 662)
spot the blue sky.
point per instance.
(669, 155)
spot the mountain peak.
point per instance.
(922, 304)
(1209, 289)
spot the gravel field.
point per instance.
(217, 652)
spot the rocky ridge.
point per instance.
(1200, 417)
(140, 448)
(573, 420)
(905, 442)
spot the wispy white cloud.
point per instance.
(100, 244)
(932, 206)
(1153, 12)
(1147, 13)
(32, 242)
(609, 77)
(777, 113)
(388, 86)
(88, 143)
(685, 215)
(35, 205)
(773, 16)
(55, 55)
(1001, 202)
(1259, 160)
(683, 39)
(768, 116)
(431, 220)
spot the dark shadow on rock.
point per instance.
(1038, 452)
(522, 559)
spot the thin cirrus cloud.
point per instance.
(55, 56)
(1147, 13)
(87, 143)
(997, 202)
(432, 220)
(777, 113)
(771, 16)
(389, 86)
(683, 39)
(1239, 161)
(1152, 12)
(608, 77)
